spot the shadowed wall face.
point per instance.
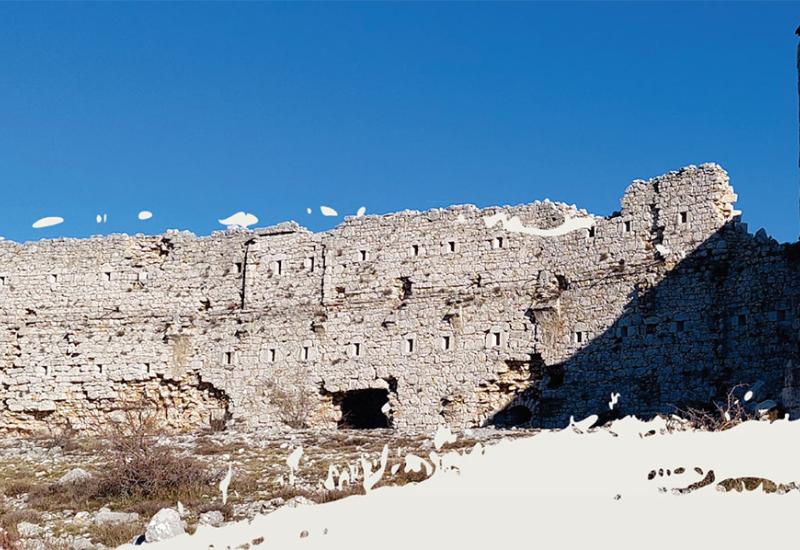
(525, 314)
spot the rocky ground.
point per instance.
(49, 498)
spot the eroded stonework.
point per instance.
(525, 314)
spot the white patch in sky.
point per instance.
(48, 221)
(99, 218)
(328, 211)
(145, 215)
(515, 225)
(361, 211)
(105, 218)
(308, 211)
(240, 219)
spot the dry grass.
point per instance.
(7, 542)
(16, 488)
(715, 418)
(115, 534)
(8, 524)
(138, 473)
(68, 439)
(206, 446)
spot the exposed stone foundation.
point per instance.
(525, 314)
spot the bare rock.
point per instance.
(213, 518)
(74, 476)
(28, 530)
(164, 525)
(107, 516)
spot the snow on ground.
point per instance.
(559, 489)
(48, 221)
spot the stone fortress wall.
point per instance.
(514, 315)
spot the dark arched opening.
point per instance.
(362, 409)
(518, 415)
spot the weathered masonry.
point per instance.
(516, 315)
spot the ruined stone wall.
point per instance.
(529, 313)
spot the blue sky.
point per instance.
(196, 111)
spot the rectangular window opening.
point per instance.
(100, 369)
(415, 249)
(107, 275)
(451, 246)
(446, 343)
(409, 345)
(2, 281)
(781, 315)
(147, 368)
(627, 227)
(356, 349)
(680, 326)
(496, 339)
(362, 255)
(238, 266)
(624, 331)
(310, 264)
(272, 355)
(279, 267)
(228, 357)
(684, 217)
(306, 353)
(591, 232)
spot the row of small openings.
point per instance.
(356, 349)
(683, 217)
(448, 246)
(580, 336)
(52, 278)
(277, 266)
(410, 344)
(650, 328)
(101, 369)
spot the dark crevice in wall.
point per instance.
(244, 271)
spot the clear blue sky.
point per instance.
(196, 111)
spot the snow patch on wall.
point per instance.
(515, 225)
